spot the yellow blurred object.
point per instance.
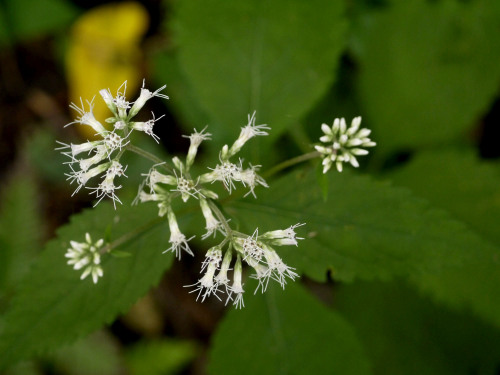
(103, 53)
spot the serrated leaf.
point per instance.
(404, 333)
(286, 332)
(371, 230)
(54, 306)
(277, 57)
(459, 182)
(427, 69)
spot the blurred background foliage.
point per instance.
(425, 76)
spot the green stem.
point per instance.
(291, 162)
(221, 217)
(129, 236)
(149, 156)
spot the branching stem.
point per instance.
(149, 156)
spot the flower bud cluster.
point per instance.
(102, 157)
(258, 252)
(86, 256)
(342, 144)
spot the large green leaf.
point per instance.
(276, 57)
(370, 230)
(53, 306)
(460, 183)
(404, 333)
(428, 69)
(20, 230)
(286, 332)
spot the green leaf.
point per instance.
(4, 32)
(459, 182)
(20, 230)
(370, 230)
(40, 153)
(31, 18)
(275, 57)
(427, 69)
(54, 306)
(182, 101)
(286, 332)
(95, 354)
(404, 333)
(160, 357)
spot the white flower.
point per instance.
(237, 287)
(343, 144)
(277, 270)
(283, 236)
(120, 100)
(147, 127)
(212, 224)
(107, 189)
(221, 278)
(261, 274)
(250, 247)
(82, 177)
(77, 149)
(250, 178)
(120, 125)
(144, 96)
(158, 195)
(213, 256)
(100, 155)
(186, 187)
(206, 285)
(113, 142)
(247, 132)
(177, 239)
(195, 141)
(226, 172)
(115, 169)
(87, 117)
(85, 255)
(108, 99)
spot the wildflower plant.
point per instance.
(392, 255)
(97, 166)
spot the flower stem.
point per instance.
(221, 217)
(149, 156)
(129, 236)
(291, 162)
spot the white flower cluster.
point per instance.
(86, 256)
(229, 172)
(103, 155)
(257, 252)
(164, 183)
(342, 144)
